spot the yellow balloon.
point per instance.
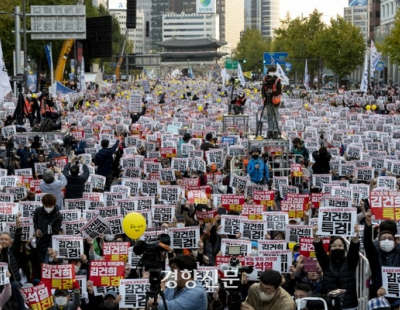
(127, 98)
(181, 96)
(200, 108)
(87, 104)
(219, 100)
(306, 105)
(134, 225)
(368, 107)
(374, 107)
(256, 91)
(96, 104)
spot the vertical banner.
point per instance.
(79, 59)
(37, 297)
(5, 86)
(364, 82)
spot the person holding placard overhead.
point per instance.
(386, 253)
(339, 267)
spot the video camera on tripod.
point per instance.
(234, 272)
(268, 85)
(152, 261)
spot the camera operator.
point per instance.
(272, 94)
(268, 294)
(183, 297)
(322, 158)
(238, 103)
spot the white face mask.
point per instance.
(195, 253)
(2, 148)
(77, 268)
(387, 245)
(109, 237)
(48, 210)
(301, 304)
(266, 297)
(61, 301)
(180, 225)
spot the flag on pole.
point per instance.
(375, 58)
(49, 55)
(281, 73)
(364, 82)
(190, 73)
(240, 75)
(306, 77)
(5, 86)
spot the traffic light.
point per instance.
(131, 14)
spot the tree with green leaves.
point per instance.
(251, 48)
(297, 38)
(391, 44)
(341, 46)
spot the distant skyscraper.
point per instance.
(262, 15)
(358, 16)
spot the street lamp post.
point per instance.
(25, 43)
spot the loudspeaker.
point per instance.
(98, 42)
(131, 14)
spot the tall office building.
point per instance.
(358, 16)
(158, 8)
(374, 11)
(262, 15)
(231, 18)
(145, 6)
(117, 8)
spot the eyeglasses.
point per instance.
(264, 289)
(337, 246)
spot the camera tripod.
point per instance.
(155, 290)
(268, 101)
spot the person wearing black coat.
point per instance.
(338, 268)
(104, 161)
(76, 182)
(386, 253)
(47, 222)
(322, 159)
(9, 252)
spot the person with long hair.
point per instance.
(339, 267)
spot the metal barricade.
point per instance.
(363, 274)
(312, 299)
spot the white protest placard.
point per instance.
(182, 238)
(163, 213)
(272, 245)
(388, 182)
(95, 227)
(391, 281)
(144, 203)
(71, 215)
(27, 208)
(262, 263)
(337, 221)
(245, 246)
(253, 229)
(170, 193)
(67, 247)
(276, 220)
(3, 274)
(133, 292)
(121, 189)
(72, 228)
(230, 224)
(285, 256)
(81, 204)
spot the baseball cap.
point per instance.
(110, 293)
(180, 218)
(59, 292)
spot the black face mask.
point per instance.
(337, 254)
(255, 156)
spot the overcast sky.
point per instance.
(330, 8)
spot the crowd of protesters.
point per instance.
(106, 128)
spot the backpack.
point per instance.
(46, 125)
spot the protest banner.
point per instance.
(116, 251)
(67, 247)
(58, 276)
(37, 297)
(106, 273)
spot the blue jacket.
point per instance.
(256, 175)
(104, 159)
(24, 155)
(185, 299)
